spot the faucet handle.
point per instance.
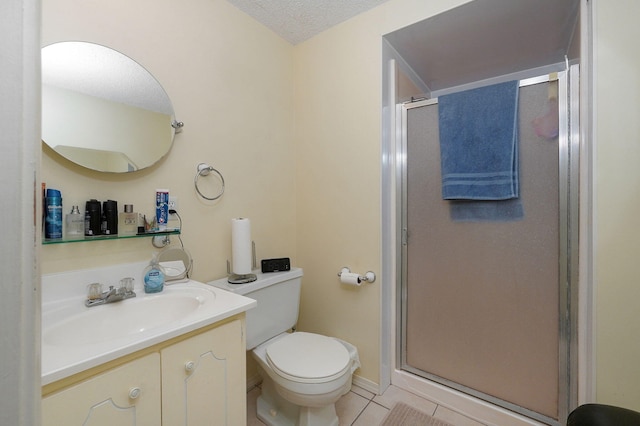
(94, 291)
(127, 284)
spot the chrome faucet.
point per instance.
(112, 295)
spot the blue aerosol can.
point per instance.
(53, 216)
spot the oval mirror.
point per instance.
(176, 264)
(102, 110)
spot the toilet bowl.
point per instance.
(304, 374)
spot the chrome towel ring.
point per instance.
(203, 170)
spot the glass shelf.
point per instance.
(82, 238)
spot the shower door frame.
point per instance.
(569, 171)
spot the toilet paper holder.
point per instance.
(369, 277)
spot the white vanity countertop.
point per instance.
(76, 338)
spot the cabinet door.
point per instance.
(128, 395)
(203, 379)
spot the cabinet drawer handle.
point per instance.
(134, 393)
(189, 366)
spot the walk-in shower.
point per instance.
(485, 313)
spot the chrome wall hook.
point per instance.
(160, 241)
(177, 125)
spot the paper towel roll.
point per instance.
(350, 278)
(241, 245)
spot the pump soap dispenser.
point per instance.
(153, 277)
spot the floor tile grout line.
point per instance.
(435, 410)
(366, 398)
(360, 413)
(381, 405)
(371, 399)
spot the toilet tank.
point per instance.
(278, 296)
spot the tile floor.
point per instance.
(363, 408)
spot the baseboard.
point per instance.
(366, 384)
(253, 381)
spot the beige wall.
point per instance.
(306, 120)
(229, 79)
(617, 205)
(338, 138)
(232, 81)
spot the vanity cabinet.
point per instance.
(127, 395)
(203, 379)
(195, 379)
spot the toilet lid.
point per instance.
(306, 356)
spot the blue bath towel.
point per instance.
(479, 143)
(486, 211)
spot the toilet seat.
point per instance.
(308, 358)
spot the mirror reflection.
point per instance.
(176, 264)
(102, 110)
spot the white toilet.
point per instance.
(303, 374)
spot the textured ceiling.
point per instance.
(299, 20)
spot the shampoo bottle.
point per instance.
(153, 277)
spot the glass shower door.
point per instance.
(481, 301)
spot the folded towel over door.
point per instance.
(479, 143)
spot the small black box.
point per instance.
(276, 265)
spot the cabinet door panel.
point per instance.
(110, 398)
(203, 379)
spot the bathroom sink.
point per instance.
(128, 317)
(76, 338)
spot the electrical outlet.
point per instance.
(173, 205)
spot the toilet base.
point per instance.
(274, 410)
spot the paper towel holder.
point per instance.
(234, 278)
(369, 277)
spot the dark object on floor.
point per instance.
(603, 415)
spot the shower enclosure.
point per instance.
(485, 307)
(484, 315)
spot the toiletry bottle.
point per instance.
(141, 224)
(109, 224)
(128, 221)
(75, 223)
(153, 277)
(92, 218)
(53, 218)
